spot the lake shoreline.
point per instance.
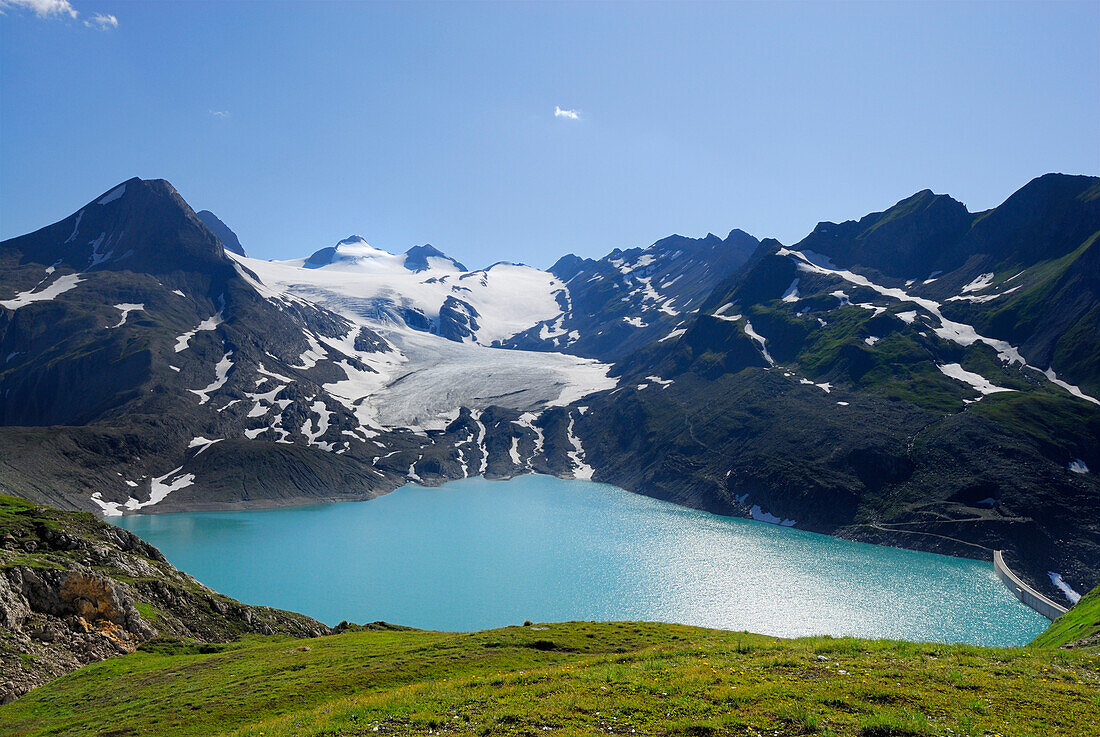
(416, 556)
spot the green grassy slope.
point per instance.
(1079, 627)
(569, 679)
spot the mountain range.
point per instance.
(924, 376)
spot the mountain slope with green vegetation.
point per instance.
(75, 590)
(1079, 627)
(917, 378)
(569, 679)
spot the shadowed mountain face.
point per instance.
(832, 383)
(124, 320)
(227, 237)
(137, 226)
(143, 369)
(924, 376)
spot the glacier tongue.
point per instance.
(423, 382)
(441, 376)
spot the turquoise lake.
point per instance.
(476, 554)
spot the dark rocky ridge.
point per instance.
(416, 258)
(629, 299)
(227, 237)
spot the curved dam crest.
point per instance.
(476, 554)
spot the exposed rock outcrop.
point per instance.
(74, 590)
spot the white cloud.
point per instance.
(42, 8)
(221, 113)
(571, 114)
(102, 21)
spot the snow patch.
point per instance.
(791, 295)
(59, 286)
(159, 488)
(480, 442)
(581, 470)
(871, 340)
(1075, 391)
(980, 283)
(221, 373)
(1065, 588)
(314, 430)
(760, 341)
(979, 382)
(1078, 466)
(760, 515)
(184, 341)
(527, 419)
(960, 333)
(312, 355)
(907, 317)
(126, 308)
(113, 195)
(76, 227)
(980, 298)
(202, 443)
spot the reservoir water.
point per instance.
(476, 554)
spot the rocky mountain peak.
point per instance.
(416, 258)
(566, 267)
(126, 228)
(910, 239)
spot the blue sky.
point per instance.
(301, 123)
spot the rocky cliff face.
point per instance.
(74, 590)
(630, 299)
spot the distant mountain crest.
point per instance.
(225, 235)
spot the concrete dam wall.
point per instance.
(1025, 593)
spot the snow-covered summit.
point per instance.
(355, 254)
(422, 288)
